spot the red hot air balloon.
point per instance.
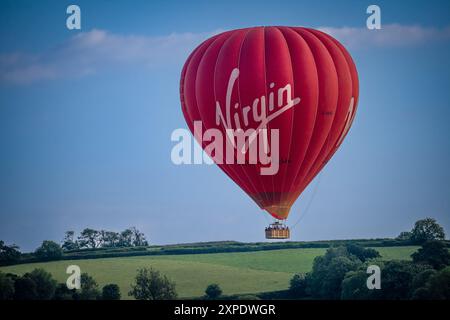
(299, 81)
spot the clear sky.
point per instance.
(86, 118)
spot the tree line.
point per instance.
(40, 285)
(87, 239)
(342, 272)
(92, 239)
(148, 284)
(339, 274)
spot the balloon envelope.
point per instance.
(299, 81)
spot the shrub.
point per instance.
(298, 286)
(89, 288)
(25, 289)
(49, 250)
(63, 293)
(149, 284)
(45, 284)
(213, 291)
(8, 254)
(434, 253)
(6, 287)
(111, 292)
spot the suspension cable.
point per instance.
(305, 212)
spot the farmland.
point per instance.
(235, 272)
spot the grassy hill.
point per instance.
(235, 272)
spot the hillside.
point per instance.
(236, 272)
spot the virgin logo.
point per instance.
(261, 111)
(240, 144)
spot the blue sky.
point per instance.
(86, 118)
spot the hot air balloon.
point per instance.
(295, 86)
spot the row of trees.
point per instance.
(423, 230)
(9, 254)
(339, 274)
(342, 274)
(40, 285)
(149, 284)
(88, 238)
(91, 238)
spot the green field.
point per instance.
(236, 273)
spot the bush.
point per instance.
(6, 287)
(439, 285)
(49, 250)
(426, 230)
(45, 284)
(111, 292)
(421, 294)
(8, 254)
(89, 288)
(213, 291)
(405, 236)
(434, 253)
(354, 287)
(362, 253)
(397, 279)
(149, 284)
(25, 289)
(421, 279)
(325, 279)
(298, 286)
(63, 293)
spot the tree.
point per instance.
(434, 253)
(427, 229)
(89, 238)
(138, 238)
(132, 237)
(6, 287)
(421, 279)
(111, 292)
(149, 284)
(63, 293)
(69, 243)
(25, 289)
(126, 238)
(419, 289)
(405, 236)
(8, 254)
(89, 288)
(362, 253)
(45, 284)
(213, 291)
(325, 279)
(49, 250)
(109, 239)
(439, 285)
(354, 286)
(422, 293)
(298, 286)
(397, 279)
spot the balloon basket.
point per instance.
(277, 230)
